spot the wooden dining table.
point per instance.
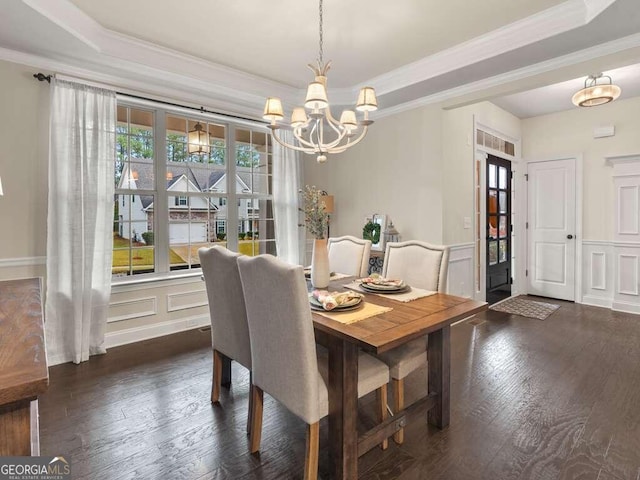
(432, 315)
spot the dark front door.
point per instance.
(498, 229)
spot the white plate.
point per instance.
(369, 288)
(350, 305)
(373, 286)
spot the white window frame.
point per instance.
(161, 194)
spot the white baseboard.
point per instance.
(146, 332)
(625, 307)
(596, 301)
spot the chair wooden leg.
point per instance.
(398, 405)
(250, 412)
(381, 397)
(311, 457)
(217, 377)
(256, 419)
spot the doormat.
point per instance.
(526, 308)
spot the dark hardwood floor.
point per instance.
(531, 399)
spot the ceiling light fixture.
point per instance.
(597, 91)
(319, 133)
(198, 141)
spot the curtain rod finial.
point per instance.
(42, 77)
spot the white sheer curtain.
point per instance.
(80, 220)
(287, 178)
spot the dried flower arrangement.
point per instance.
(316, 218)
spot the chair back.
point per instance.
(283, 349)
(419, 264)
(229, 329)
(349, 255)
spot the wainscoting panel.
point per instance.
(611, 275)
(135, 308)
(628, 210)
(627, 275)
(186, 300)
(460, 278)
(597, 273)
(598, 276)
(143, 310)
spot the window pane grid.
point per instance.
(196, 188)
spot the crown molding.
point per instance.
(615, 46)
(133, 55)
(553, 21)
(158, 86)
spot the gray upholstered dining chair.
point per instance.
(424, 266)
(349, 255)
(229, 329)
(283, 351)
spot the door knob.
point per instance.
(569, 236)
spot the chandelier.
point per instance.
(596, 91)
(318, 132)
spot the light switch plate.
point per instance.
(466, 222)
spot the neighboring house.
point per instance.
(192, 219)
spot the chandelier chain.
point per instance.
(320, 52)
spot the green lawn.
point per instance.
(143, 256)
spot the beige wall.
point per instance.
(396, 170)
(139, 311)
(458, 158)
(570, 133)
(417, 167)
(24, 125)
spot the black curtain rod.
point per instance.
(41, 77)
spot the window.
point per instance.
(188, 201)
(133, 246)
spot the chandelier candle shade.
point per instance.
(318, 132)
(597, 91)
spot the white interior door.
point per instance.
(552, 228)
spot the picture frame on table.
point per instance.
(381, 220)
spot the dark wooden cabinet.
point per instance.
(23, 365)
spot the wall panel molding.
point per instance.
(627, 274)
(146, 332)
(134, 308)
(460, 279)
(186, 300)
(598, 271)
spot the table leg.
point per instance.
(15, 429)
(226, 371)
(439, 357)
(343, 409)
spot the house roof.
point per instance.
(199, 175)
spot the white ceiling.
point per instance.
(363, 38)
(230, 55)
(557, 97)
